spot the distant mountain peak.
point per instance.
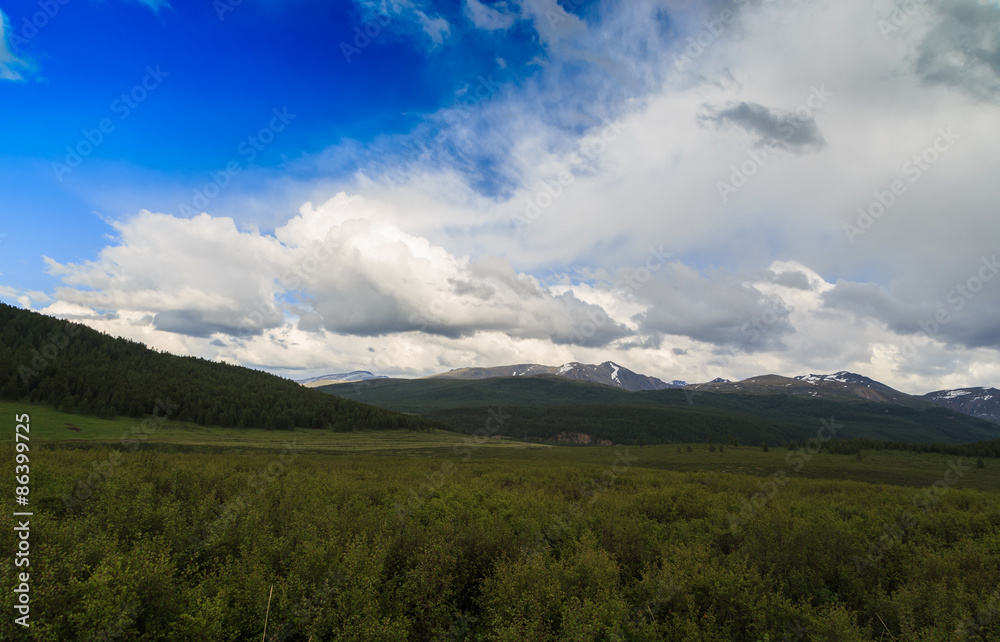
(840, 377)
(608, 373)
(978, 402)
(839, 385)
(343, 377)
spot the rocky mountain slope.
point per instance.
(345, 377)
(607, 373)
(978, 402)
(841, 385)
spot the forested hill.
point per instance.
(77, 369)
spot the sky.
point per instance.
(724, 188)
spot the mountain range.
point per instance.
(344, 377)
(841, 385)
(983, 403)
(978, 402)
(607, 373)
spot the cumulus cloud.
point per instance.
(344, 267)
(422, 268)
(717, 310)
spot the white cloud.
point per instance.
(12, 66)
(490, 18)
(428, 271)
(406, 15)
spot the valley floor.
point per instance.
(181, 533)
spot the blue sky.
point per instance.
(478, 183)
(224, 69)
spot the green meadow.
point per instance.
(147, 530)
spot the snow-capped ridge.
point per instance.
(607, 373)
(344, 377)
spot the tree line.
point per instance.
(77, 369)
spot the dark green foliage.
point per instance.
(186, 547)
(547, 406)
(851, 446)
(77, 369)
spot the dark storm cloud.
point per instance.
(962, 51)
(959, 317)
(794, 130)
(719, 309)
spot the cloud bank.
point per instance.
(576, 214)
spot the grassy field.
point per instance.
(543, 407)
(502, 543)
(52, 427)
(170, 531)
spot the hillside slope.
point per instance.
(77, 369)
(841, 385)
(544, 407)
(978, 402)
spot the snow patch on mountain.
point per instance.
(343, 377)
